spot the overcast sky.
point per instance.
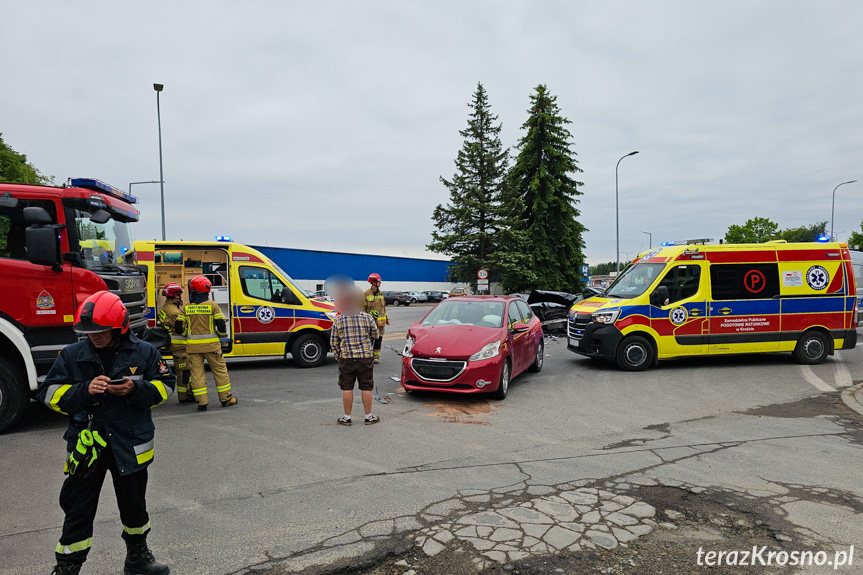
(325, 125)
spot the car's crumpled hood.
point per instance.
(456, 341)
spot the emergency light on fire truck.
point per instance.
(102, 187)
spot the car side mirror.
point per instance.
(520, 326)
(100, 217)
(660, 296)
(42, 246)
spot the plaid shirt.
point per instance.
(352, 336)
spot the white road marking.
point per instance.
(843, 375)
(816, 381)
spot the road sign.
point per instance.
(481, 282)
(585, 271)
(482, 274)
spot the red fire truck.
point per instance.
(58, 245)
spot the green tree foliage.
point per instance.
(754, 231)
(855, 240)
(603, 269)
(803, 233)
(469, 227)
(540, 200)
(15, 169)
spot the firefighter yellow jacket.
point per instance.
(203, 322)
(375, 305)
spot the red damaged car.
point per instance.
(472, 344)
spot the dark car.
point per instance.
(590, 292)
(397, 298)
(436, 296)
(552, 308)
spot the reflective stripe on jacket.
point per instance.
(201, 332)
(375, 305)
(167, 316)
(125, 422)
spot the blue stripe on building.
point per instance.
(317, 265)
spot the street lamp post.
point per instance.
(649, 239)
(833, 209)
(158, 88)
(147, 182)
(617, 207)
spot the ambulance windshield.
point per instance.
(108, 246)
(634, 281)
(286, 277)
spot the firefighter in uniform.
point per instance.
(203, 322)
(167, 318)
(375, 305)
(107, 385)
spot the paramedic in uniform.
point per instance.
(107, 384)
(167, 318)
(375, 305)
(203, 322)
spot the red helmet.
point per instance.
(200, 284)
(100, 312)
(374, 277)
(172, 290)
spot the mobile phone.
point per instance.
(117, 381)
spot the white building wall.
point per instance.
(315, 285)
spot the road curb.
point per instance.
(853, 398)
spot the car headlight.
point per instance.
(609, 316)
(332, 315)
(487, 352)
(409, 345)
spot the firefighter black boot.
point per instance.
(64, 568)
(140, 561)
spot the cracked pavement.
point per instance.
(713, 453)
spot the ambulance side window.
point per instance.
(260, 283)
(744, 281)
(682, 282)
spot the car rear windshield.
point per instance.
(478, 313)
(634, 281)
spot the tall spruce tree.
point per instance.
(541, 197)
(468, 225)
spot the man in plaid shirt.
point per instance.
(352, 339)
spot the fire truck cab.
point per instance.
(268, 314)
(58, 246)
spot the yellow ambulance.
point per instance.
(268, 313)
(684, 300)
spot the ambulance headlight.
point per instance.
(332, 315)
(608, 317)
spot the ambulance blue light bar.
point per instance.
(223, 238)
(823, 238)
(100, 186)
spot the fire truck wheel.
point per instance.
(13, 395)
(812, 348)
(308, 350)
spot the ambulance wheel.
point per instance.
(812, 348)
(14, 399)
(634, 353)
(308, 350)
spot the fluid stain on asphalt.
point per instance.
(471, 411)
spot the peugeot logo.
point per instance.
(437, 350)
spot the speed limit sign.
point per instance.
(482, 274)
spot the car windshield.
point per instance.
(478, 313)
(108, 246)
(634, 281)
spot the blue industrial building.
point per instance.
(311, 267)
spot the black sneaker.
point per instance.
(343, 421)
(372, 419)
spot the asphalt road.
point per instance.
(745, 449)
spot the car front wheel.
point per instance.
(308, 350)
(503, 386)
(634, 354)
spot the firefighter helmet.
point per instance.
(172, 289)
(374, 277)
(200, 284)
(100, 312)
